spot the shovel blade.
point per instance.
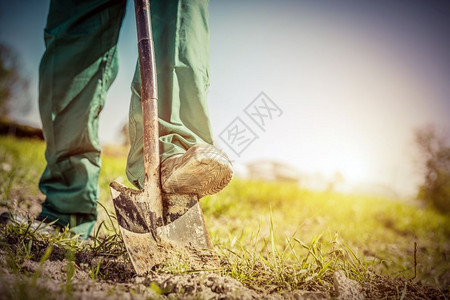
(184, 222)
(143, 250)
(138, 217)
(137, 211)
(153, 231)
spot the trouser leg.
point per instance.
(181, 37)
(78, 67)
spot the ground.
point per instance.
(274, 241)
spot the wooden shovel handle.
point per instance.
(149, 94)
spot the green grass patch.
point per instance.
(270, 236)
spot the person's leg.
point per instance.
(78, 67)
(181, 37)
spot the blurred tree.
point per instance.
(435, 189)
(11, 81)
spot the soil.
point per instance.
(165, 286)
(120, 282)
(116, 279)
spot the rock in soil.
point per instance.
(346, 289)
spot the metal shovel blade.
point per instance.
(138, 215)
(153, 233)
(184, 222)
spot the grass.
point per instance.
(269, 236)
(365, 232)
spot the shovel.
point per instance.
(154, 224)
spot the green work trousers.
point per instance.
(78, 67)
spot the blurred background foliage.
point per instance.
(13, 83)
(435, 151)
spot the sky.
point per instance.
(351, 79)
